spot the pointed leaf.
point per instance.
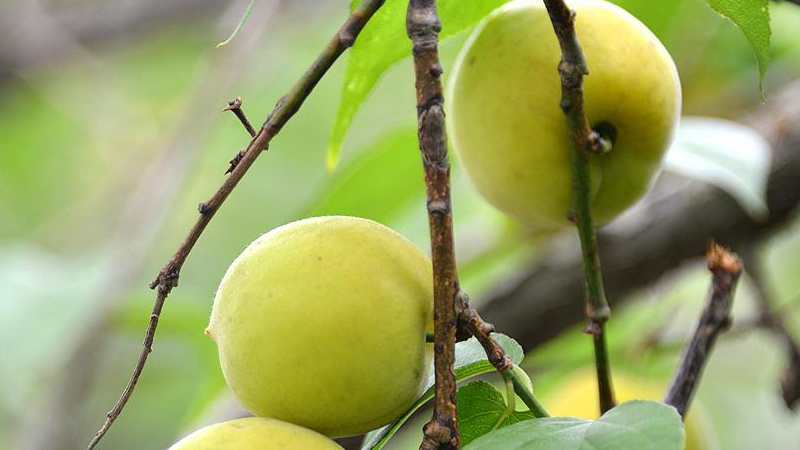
(382, 43)
(752, 17)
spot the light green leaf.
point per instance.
(363, 188)
(382, 43)
(752, 17)
(640, 425)
(727, 154)
(480, 408)
(470, 362)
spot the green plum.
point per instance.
(322, 323)
(508, 129)
(255, 433)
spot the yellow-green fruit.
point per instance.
(511, 135)
(322, 323)
(576, 396)
(255, 433)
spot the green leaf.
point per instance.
(727, 154)
(382, 43)
(480, 411)
(239, 26)
(752, 17)
(363, 188)
(637, 424)
(470, 362)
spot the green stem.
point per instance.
(511, 402)
(597, 309)
(522, 388)
(584, 140)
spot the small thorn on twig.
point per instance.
(234, 162)
(235, 106)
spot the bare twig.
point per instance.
(235, 106)
(725, 267)
(572, 69)
(423, 25)
(286, 107)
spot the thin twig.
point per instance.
(423, 25)
(725, 267)
(235, 106)
(286, 107)
(584, 140)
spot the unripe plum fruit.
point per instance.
(511, 135)
(255, 433)
(322, 323)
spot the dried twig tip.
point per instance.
(234, 104)
(721, 259)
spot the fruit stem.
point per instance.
(522, 384)
(511, 402)
(572, 69)
(286, 107)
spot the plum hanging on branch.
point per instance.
(286, 107)
(517, 148)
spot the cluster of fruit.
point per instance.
(321, 323)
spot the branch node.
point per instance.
(235, 161)
(436, 432)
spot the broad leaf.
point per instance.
(752, 17)
(727, 154)
(470, 362)
(383, 42)
(640, 425)
(480, 410)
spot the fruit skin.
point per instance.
(322, 323)
(255, 433)
(510, 134)
(576, 396)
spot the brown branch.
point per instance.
(572, 69)
(423, 26)
(725, 268)
(286, 107)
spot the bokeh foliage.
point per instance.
(77, 135)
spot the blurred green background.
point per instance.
(111, 133)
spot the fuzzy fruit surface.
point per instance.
(322, 323)
(576, 396)
(255, 433)
(508, 129)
